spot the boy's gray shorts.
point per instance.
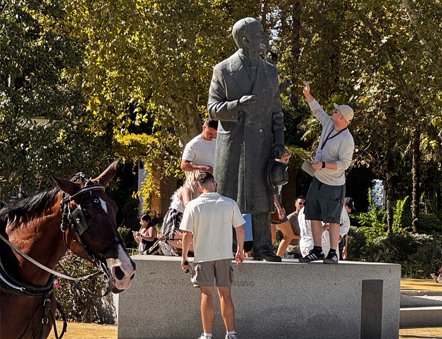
(324, 202)
(209, 273)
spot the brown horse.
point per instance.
(76, 215)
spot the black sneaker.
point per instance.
(332, 258)
(312, 256)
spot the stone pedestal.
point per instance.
(272, 300)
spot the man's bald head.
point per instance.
(241, 29)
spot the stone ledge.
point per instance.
(272, 300)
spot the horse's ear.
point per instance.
(104, 178)
(66, 186)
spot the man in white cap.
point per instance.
(325, 197)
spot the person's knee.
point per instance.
(224, 292)
(288, 237)
(316, 223)
(207, 291)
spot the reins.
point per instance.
(47, 312)
(47, 269)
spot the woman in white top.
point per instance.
(170, 230)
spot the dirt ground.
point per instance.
(94, 331)
(87, 331)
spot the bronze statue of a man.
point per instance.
(244, 98)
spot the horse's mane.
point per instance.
(21, 211)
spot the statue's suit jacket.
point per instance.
(245, 140)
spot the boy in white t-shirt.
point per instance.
(208, 222)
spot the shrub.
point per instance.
(374, 221)
(426, 259)
(127, 236)
(357, 241)
(395, 248)
(430, 222)
(83, 301)
(418, 254)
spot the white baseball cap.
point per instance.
(346, 111)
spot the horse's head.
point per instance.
(89, 218)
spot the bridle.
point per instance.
(76, 220)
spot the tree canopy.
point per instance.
(131, 77)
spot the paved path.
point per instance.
(431, 290)
(428, 285)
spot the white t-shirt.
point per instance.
(200, 151)
(343, 230)
(345, 223)
(306, 241)
(210, 218)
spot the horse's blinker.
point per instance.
(78, 218)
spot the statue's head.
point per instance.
(249, 34)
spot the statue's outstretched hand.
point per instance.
(247, 103)
(278, 151)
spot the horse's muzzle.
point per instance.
(122, 271)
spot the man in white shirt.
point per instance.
(294, 249)
(199, 153)
(343, 230)
(305, 230)
(208, 222)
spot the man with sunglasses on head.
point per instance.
(294, 250)
(326, 193)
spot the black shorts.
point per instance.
(324, 202)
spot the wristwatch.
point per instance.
(323, 164)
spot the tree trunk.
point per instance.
(389, 187)
(389, 202)
(295, 51)
(415, 171)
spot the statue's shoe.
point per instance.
(271, 257)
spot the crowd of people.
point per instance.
(235, 171)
